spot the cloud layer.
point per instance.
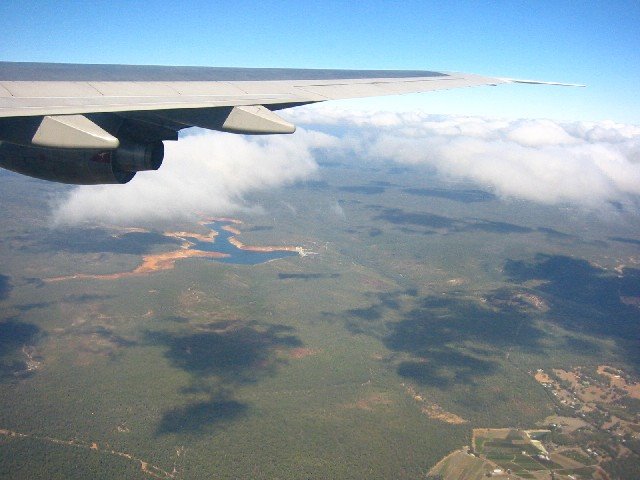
(206, 173)
(589, 165)
(580, 163)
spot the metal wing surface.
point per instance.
(103, 123)
(34, 89)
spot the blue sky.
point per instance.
(595, 43)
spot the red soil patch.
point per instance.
(297, 353)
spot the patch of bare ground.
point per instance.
(231, 229)
(619, 381)
(370, 402)
(376, 283)
(522, 301)
(222, 327)
(208, 238)
(90, 348)
(631, 301)
(301, 352)
(221, 219)
(568, 424)
(129, 229)
(145, 467)
(533, 300)
(460, 465)
(542, 377)
(190, 298)
(241, 246)
(436, 412)
(88, 339)
(150, 264)
(122, 428)
(492, 433)
(432, 409)
(590, 393)
(32, 358)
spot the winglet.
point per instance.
(538, 82)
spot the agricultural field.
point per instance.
(516, 454)
(522, 453)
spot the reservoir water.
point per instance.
(236, 255)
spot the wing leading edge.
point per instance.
(102, 107)
(63, 89)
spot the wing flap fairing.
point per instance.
(255, 119)
(249, 119)
(72, 131)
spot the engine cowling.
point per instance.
(82, 166)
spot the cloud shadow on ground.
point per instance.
(363, 189)
(240, 354)
(199, 417)
(99, 240)
(587, 299)
(442, 341)
(632, 241)
(441, 336)
(14, 335)
(220, 356)
(494, 227)
(398, 216)
(408, 221)
(463, 196)
(307, 276)
(5, 287)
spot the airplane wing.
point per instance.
(103, 123)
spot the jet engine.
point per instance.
(110, 148)
(82, 166)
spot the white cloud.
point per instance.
(538, 133)
(580, 163)
(207, 173)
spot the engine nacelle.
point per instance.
(82, 166)
(136, 157)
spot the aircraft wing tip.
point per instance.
(539, 82)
